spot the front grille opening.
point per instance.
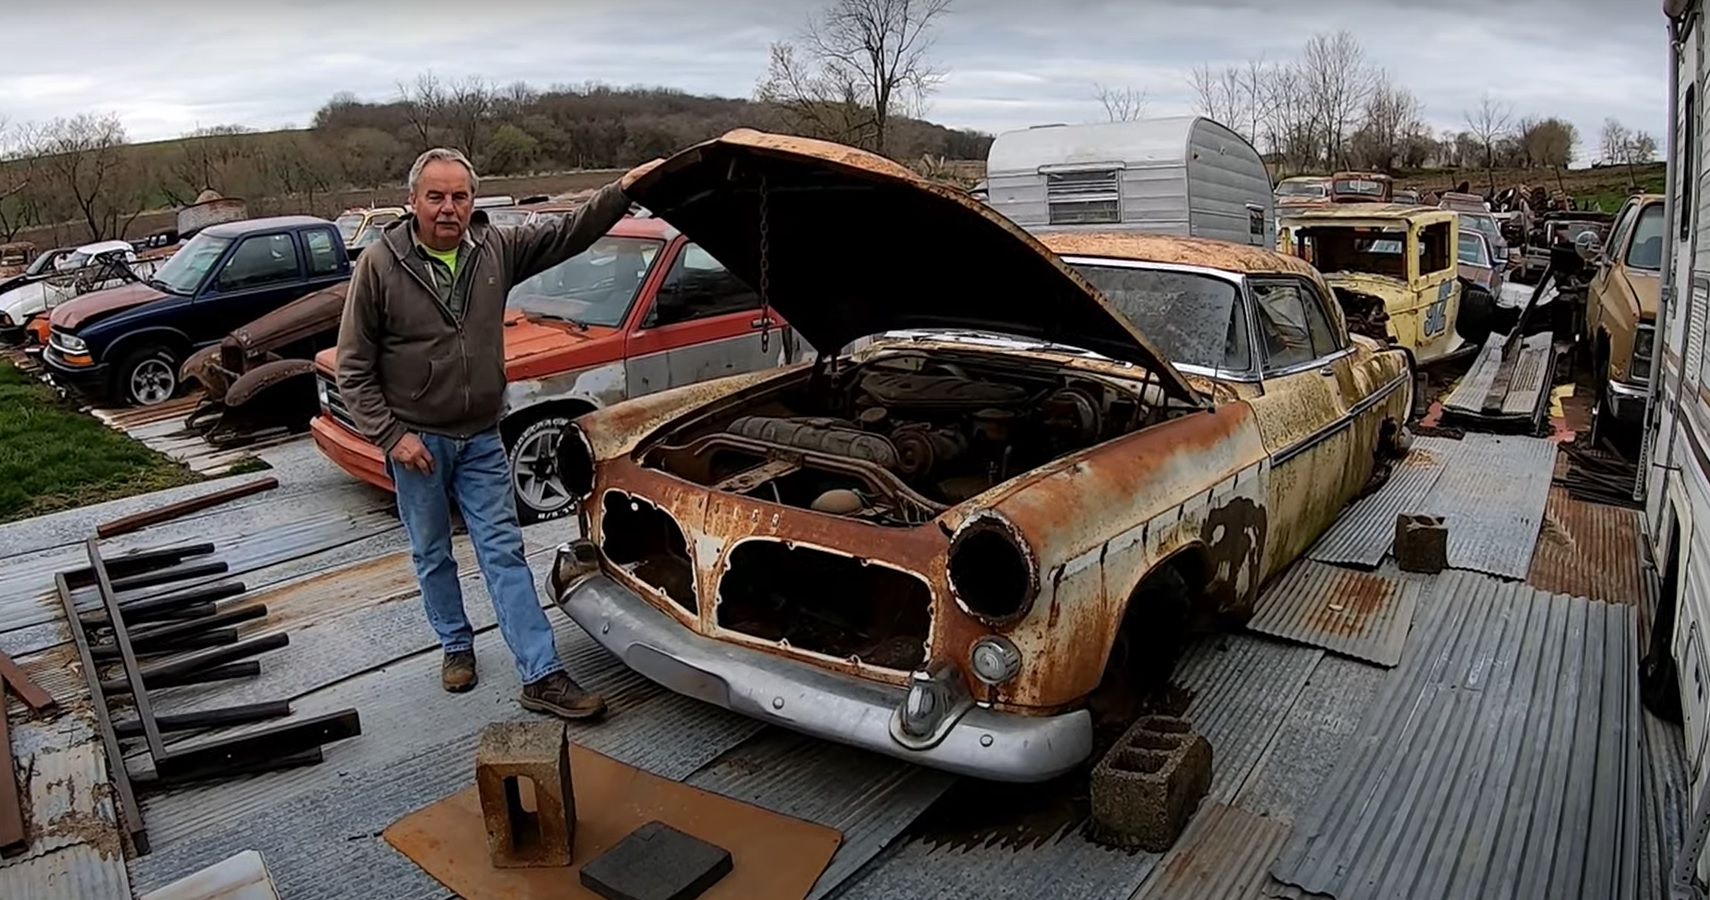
(645, 541)
(826, 603)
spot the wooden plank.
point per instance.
(28, 691)
(11, 812)
(172, 511)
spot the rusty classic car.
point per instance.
(1037, 475)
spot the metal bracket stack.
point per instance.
(188, 640)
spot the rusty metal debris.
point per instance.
(129, 635)
(171, 511)
(12, 834)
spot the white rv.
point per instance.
(1185, 176)
(1674, 467)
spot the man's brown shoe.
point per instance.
(457, 673)
(560, 695)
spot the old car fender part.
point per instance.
(268, 375)
(981, 743)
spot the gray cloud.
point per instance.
(1010, 63)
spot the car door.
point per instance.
(261, 273)
(1302, 415)
(703, 323)
(1601, 283)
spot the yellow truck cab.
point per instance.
(1621, 309)
(1392, 267)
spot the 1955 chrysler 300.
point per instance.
(1042, 471)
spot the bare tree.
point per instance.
(1642, 149)
(1121, 104)
(84, 158)
(1392, 117)
(1614, 142)
(859, 62)
(468, 111)
(1232, 95)
(1488, 122)
(1337, 81)
(424, 106)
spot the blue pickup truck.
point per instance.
(126, 344)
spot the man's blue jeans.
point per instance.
(476, 472)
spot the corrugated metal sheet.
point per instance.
(1223, 855)
(1588, 550)
(1501, 760)
(1302, 754)
(1524, 394)
(1363, 533)
(1358, 614)
(1492, 495)
(870, 798)
(161, 428)
(77, 872)
(1241, 688)
(1666, 804)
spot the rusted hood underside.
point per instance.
(859, 245)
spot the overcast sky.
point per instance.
(171, 65)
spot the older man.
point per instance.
(421, 367)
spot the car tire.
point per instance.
(146, 376)
(531, 452)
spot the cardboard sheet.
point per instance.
(773, 856)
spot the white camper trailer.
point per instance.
(1185, 175)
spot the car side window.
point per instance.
(259, 260)
(1325, 339)
(1285, 331)
(323, 253)
(698, 287)
(1623, 223)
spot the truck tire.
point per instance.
(1477, 314)
(532, 453)
(146, 376)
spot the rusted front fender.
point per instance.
(203, 367)
(1097, 524)
(269, 375)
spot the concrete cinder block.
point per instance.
(1421, 543)
(1149, 783)
(514, 757)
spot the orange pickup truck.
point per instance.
(641, 311)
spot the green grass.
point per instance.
(53, 457)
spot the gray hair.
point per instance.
(443, 154)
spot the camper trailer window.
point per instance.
(1194, 319)
(1084, 198)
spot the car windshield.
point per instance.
(1645, 252)
(1361, 186)
(507, 216)
(1300, 189)
(347, 225)
(1472, 250)
(1363, 249)
(1190, 317)
(594, 287)
(183, 273)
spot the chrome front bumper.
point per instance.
(1627, 401)
(983, 743)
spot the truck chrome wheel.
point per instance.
(152, 381)
(541, 494)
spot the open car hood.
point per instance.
(859, 245)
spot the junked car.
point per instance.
(1394, 269)
(1621, 310)
(1361, 187)
(361, 227)
(1476, 265)
(1303, 190)
(940, 546)
(60, 276)
(1476, 215)
(641, 311)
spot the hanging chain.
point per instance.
(765, 267)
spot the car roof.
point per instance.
(103, 246)
(248, 226)
(1241, 259)
(1407, 211)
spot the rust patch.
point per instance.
(1234, 536)
(1179, 251)
(1350, 603)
